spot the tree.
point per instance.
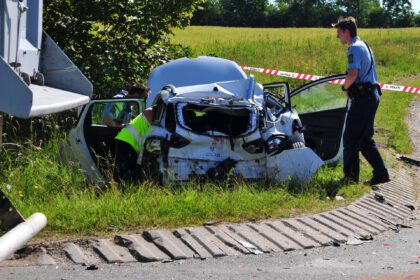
(378, 18)
(329, 13)
(308, 13)
(304, 13)
(400, 12)
(276, 16)
(249, 13)
(116, 42)
(209, 14)
(417, 20)
(360, 9)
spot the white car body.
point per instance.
(213, 120)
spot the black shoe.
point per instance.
(338, 184)
(378, 180)
(348, 181)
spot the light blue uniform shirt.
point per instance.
(123, 116)
(358, 57)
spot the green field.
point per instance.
(317, 51)
(305, 50)
(39, 183)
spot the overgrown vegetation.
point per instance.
(117, 42)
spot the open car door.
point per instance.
(322, 109)
(91, 142)
(297, 163)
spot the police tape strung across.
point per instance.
(314, 78)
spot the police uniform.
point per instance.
(117, 111)
(128, 144)
(359, 128)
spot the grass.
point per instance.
(304, 50)
(38, 183)
(74, 209)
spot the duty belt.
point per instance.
(359, 89)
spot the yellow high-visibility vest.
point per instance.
(118, 108)
(134, 132)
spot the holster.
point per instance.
(359, 89)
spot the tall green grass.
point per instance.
(305, 50)
(37, 183)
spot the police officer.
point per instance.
(129, 143)
(361, 86)
(116, 114)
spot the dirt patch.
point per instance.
(413, 123)
(409, 80)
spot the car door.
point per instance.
(91, 142)
(283, 162)
(322, 108)
(278, 93)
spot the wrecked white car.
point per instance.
(210, 119)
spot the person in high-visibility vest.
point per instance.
(129, 143)
(117, 114)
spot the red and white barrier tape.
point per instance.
(310, 77)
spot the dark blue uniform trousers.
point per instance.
(125, 161)
(358, 136)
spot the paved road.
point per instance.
(389, 253)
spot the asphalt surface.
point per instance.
(388, 253)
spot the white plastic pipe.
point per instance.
(15, 238)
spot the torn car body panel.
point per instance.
(211, 120)
(294, 164)
(234, 120)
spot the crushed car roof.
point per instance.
(197, 71)
(224, 91)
